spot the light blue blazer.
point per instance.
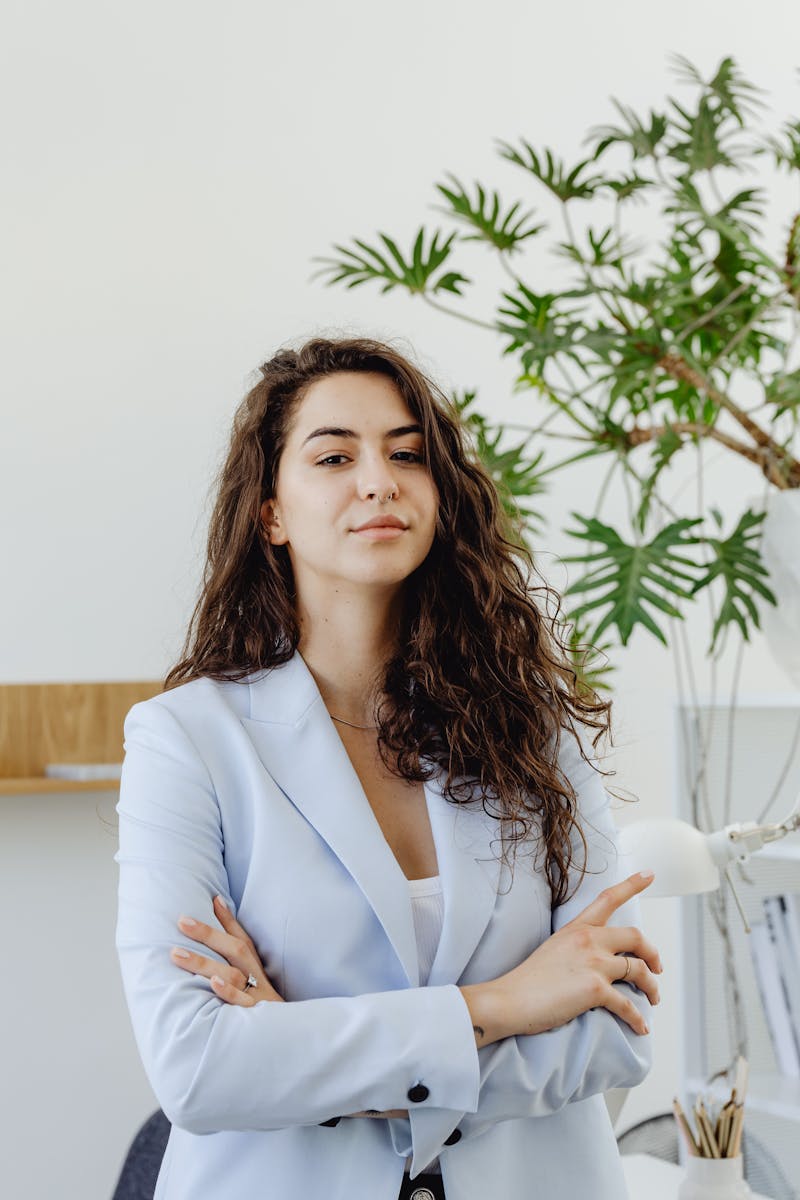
(246, 789)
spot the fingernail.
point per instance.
(646, 1028)
(218, 900)
(647, 874)
(179, 952)
(216, 979)
(187, 921)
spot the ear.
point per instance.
(271, 522)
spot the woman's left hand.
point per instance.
(228, 979)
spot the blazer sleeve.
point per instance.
(538, 1074)
(214, 1066)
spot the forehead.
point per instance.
(362, 401)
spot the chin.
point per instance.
(386, 575)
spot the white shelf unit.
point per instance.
(761, 732)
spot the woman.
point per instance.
(405, 957)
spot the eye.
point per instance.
(412, 456)
(332, 460)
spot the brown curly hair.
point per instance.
(481, 684)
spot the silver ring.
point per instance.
(386, 499)
(251, 982)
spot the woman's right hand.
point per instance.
(236, 947)
(570, 973)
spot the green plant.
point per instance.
(649, 348)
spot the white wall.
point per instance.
(170, 169)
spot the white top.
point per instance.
(427, 906)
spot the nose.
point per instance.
(376, 478)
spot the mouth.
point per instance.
(383, 523)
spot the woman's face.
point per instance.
(352, 440)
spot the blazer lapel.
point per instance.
(296, 740)
(470, 869)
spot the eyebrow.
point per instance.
(339, 431)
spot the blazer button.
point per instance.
(455, 1136)
(418, 1092)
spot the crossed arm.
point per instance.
(561, 1026)
(588, 1016)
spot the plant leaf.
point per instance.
(551, 171)
(417, 273)
(737, 563)
(483, 213)
(784, 392)
(629, 580)
(589, 661)
(666, 446)
(642, 139)
(517, 474)
(537, 329)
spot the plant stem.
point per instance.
(693, 326)
(452, 312)
(508, 270)
(638, 436)
(567, 461)
(780, 467)
(614, 313)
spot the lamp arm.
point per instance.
(744, 838)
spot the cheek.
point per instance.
(432, 501)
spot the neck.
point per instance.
(346, 644)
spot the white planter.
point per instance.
(780, 549)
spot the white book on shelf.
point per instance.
(788, 962)
(792, 915)
(83, 771)
(773, 1001)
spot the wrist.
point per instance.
(485, 1012)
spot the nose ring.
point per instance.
(386, 499)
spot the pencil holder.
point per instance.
(714, 1179)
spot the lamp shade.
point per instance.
(678, 853)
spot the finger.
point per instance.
(633, 970)
(235, 950)
(230, 994)
(229, 923)
(620, 1004)
(619, 940)
(199, 964)
(603, 907)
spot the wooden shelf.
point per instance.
(43, 723)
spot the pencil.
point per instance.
(703, 1119)
(737, 1131)
(725, 1120)
(742, 1072)
(702, 1136)
(685, 1128)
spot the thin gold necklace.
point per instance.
(342, 721)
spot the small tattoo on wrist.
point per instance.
(479, 1032)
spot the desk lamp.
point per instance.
(687, 861)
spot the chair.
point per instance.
(137, 1180)
(658, 1136)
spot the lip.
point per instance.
(381, 522)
